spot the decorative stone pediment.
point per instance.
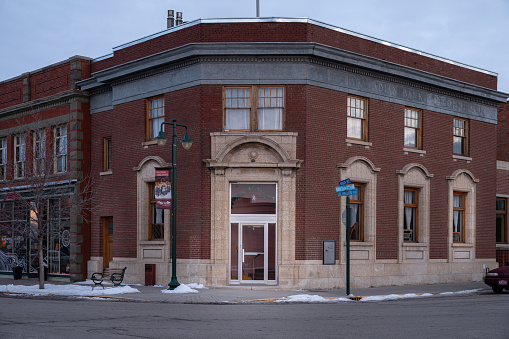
(246, 149)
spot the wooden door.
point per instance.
(108, 241)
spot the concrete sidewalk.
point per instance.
(255, 294)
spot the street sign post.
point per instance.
(346, 188)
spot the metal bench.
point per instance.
(115, 275)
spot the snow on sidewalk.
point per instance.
(72, 289)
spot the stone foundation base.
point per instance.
(312, 274)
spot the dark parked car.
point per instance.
(498, 279)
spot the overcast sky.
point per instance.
(36, 33)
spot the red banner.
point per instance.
(162, 189)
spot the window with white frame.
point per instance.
(155, 116)
(39, 155)
(19, 156)
(412, 128)
(356, 123)
(3, 158)
(61, 149)
(460, 137)
(253, 108)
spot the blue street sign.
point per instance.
(350, 192)
(345, 188)
(344, 182)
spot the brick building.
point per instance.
(280, 110)
(44, 157)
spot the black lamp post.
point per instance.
(186, 143)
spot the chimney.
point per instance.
(171, 20)
(179, 18)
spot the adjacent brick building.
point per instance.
(45, 158)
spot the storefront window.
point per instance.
(19, 236)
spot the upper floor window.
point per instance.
(253, 108)
(460, 138)
(411, 204)
(19, 156)
(501, 220)
(357, 214)
(155, 116)
(3, 158)
(458, 217)
(60, 149)
(357, 118)
(412, 128)
(39, 155)
(107, 154)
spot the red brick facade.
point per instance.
(44, 99)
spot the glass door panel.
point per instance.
(253, 254)
(234, 252)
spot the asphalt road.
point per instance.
(476, 315)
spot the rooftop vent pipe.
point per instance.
(170, 22)
(179, 18)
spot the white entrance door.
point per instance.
(253, 253)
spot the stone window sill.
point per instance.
(414, 244)
(106, 173)
(414, 150)
(145, 144)
(462, 244)
(461, 157)
(350, 142)
(503, 247)
(152, 242)
(360, 244)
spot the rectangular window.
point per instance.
(356, 118)
(458, 218)
(357, 214)
(39, 152)
(3, 158)
(107, 155)
(411, 204)
(501, 220)
(253, 108)
(61, 149)
(156, 221)
(19, 156)
(460, 138)
(412, 128)
(155, 116)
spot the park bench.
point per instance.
(115, 275)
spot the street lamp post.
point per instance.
(186, 143)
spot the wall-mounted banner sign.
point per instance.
(162, 189)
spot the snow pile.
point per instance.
(309, 298)
(395, 296)
(67, 290)
(462, 292)
(183, 288)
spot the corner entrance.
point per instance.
(253, 234)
